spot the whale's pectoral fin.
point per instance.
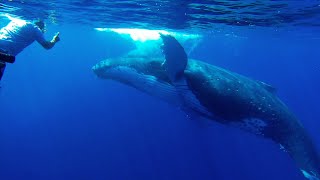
(175, 63)
(175, 58)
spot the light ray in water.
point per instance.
(148, 41)
(146, 34)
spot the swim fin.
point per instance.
(7, 58)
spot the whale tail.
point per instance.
(4, 57)
(307, 158)
(309, 176)
(297, 143)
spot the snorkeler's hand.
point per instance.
(56, 37)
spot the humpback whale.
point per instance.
(218, 95)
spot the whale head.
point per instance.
(128, 70)
(145, 74)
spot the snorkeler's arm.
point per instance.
(50, 44)
(16, 19)
(9, 17)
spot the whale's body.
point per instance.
(223, 96)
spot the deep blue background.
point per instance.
(59, 121)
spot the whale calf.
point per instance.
(216, 94)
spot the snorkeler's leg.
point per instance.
(2, 67)
(7, 57)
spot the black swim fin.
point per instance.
(7, 58)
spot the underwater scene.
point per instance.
(159, 90)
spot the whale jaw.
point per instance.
(132, 72)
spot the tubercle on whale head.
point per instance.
(111, 68)
(110, 63)
(101, 66)
(116, 69)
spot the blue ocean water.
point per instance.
(59, 121)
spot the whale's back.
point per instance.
(229, 95)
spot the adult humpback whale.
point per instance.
(217, 94)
